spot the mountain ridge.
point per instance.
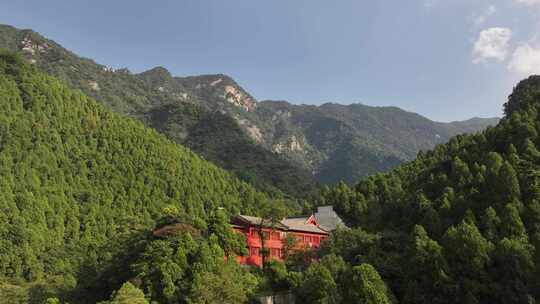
(382, 129)
(170, 108)
(308, 140)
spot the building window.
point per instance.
(255, 251)
(274, 252)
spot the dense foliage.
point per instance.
(76, 181)
(93, 203)
(173, 106)
(461, 223)
(188, 268)
(217, 137)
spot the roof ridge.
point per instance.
(298, 216)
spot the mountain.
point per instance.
(273, 144)
(80, 184)
(346, 142)
(460, 223)
(177, 107)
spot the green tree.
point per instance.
(507, 186)
(277, 275)
(55, 301)
(461, 172)
(231, 242)
(512, 225)
(530, 151)
(469, 256)
(366, 286)
(490, 224)
(514, 270)
(225, 284)
(427, 270)
(128, 294)
(317, 286)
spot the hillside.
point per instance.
(298, 142)
(76, 179)
(347, 142)
(459, 224)
(334, 142)
(166, 104)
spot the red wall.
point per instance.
(274, 243)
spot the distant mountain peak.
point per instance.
(157, 71)
(238, 98)
(223, 87)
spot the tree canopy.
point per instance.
(466, 212)
(81, 185)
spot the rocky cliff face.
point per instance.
(233, 95)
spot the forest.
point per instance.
(86, 194)
(461, 223)
(79, 183)
(170, 106)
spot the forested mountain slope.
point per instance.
(347, 142)
(176, 107)
(76, 178)
(461, 223)
(275, 145)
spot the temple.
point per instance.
(307, 231)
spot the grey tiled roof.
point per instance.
(328, 218)
(254, 220)
(292, 223)
(299, 224)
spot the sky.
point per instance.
(445, 59)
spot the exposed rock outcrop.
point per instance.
(238, 98)
(93, 85)
(30, 47)
(253, 131)
(291, 145)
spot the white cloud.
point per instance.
(525, 60)
(528, 2)
(490, 11)
(492, 43)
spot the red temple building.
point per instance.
(307, 231)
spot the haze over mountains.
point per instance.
(273, 144)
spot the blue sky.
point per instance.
(445, 59)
